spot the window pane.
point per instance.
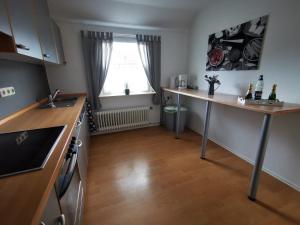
(125, 67)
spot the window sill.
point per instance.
(123, 94)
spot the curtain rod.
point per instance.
(119, 35)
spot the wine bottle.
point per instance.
(272, 96)
(249, 94)
(259, 88)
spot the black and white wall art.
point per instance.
(238, 47)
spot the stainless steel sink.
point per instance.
(61, 102)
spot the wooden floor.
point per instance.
(146, 177)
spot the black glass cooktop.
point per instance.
(28, 150)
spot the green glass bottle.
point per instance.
(272, 96)
(249, 94)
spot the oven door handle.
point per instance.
(68, 176)
(62, 219)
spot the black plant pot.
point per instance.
(127, 91)
(211, 90)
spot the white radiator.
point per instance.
(123, 119)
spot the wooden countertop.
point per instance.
(23, 197)
(231, 100)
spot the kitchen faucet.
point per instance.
(52, 97)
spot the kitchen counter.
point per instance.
(23, 197)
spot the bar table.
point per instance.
(232, 101)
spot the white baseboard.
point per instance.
(270, 172)
(247, 159)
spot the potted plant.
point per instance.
(127, 91)
(212, 80)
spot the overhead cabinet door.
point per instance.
(6, 40)
(58, 43)
(24, 28)
(45, 31)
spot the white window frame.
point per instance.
(150, 90)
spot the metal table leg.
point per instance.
(162, 105)
(205, 131)
(264, 136)
(178, 116)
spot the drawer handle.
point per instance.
(23, 47)
(62, 219)
(79, 143)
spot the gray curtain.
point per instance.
(150, 52)
(97, 49)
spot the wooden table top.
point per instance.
(23, 197)
(232, 100)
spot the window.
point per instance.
(125, 68)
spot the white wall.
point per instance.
(236, 129)
(70, 78)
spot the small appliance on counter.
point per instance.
(27, 150)
(182, 81)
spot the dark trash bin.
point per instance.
(171, 118)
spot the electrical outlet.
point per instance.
(7, 91)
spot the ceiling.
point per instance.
(155, 13)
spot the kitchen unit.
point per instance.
(27, 32)
(37, 197)
(68, 192)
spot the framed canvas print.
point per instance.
(238, 47)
